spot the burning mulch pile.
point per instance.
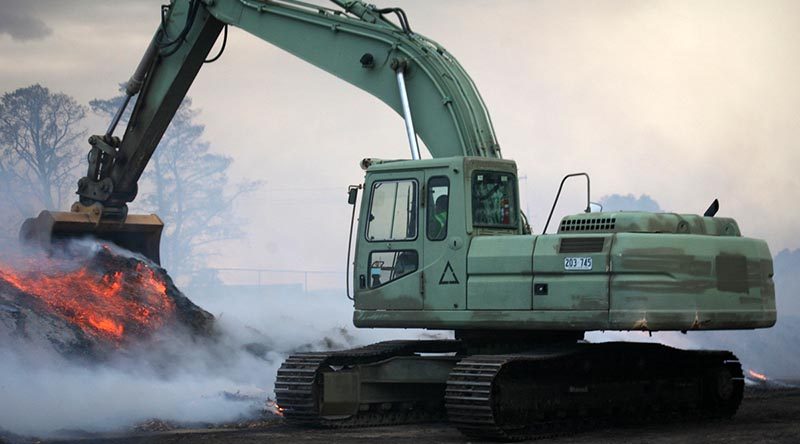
(90, 300)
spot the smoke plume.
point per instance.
(175, 376)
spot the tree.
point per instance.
(40, 137)
(10, 203)
(188, 187)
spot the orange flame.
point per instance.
(756, 375)
(105, 305)
(273, 406)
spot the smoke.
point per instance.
(50, 395)
(19, 22)
(174, 376)
(629, 202)
(787, 282)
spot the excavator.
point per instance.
(442, 244)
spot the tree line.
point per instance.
(43, 146)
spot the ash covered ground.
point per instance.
(767, 416)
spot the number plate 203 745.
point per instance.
(577, 263)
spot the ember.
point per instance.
(273, 407)
(757, 376)
(100, 304)
(110, 297)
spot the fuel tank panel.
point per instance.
(690, 282)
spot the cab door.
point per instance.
(444, 274)
(389, 253)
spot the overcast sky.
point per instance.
(684, 101)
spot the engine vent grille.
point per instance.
(582, 245)
(593, 224)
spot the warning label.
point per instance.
(448, 275)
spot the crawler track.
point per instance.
(566, 389)
(553, 390)
(299, 384)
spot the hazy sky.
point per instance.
(682, 100)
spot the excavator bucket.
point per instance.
(138, 233)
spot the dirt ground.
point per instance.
(765, 416)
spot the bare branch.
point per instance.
(39, 133)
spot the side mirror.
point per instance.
(352, 194)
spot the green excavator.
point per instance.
(442, 244)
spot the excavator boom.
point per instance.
(356, 42)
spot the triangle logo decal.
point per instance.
(448, 275)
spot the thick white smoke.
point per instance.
(174, 377)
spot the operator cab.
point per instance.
(416, 222)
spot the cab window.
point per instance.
(393, 211)
(438, 207)
(493, 200)
(387, 266)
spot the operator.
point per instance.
(437, 226)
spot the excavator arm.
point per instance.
(356, 42)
